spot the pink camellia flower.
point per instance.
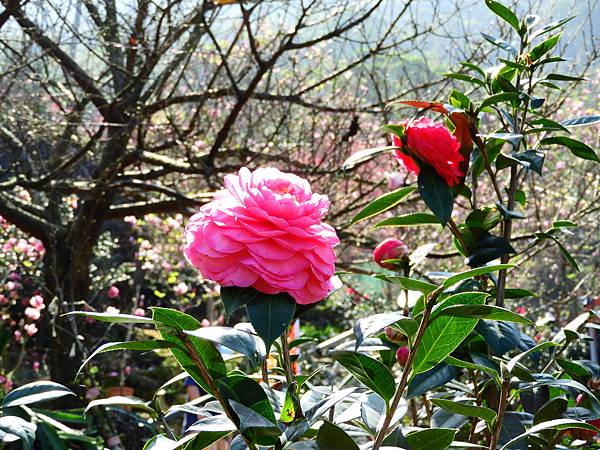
(389, 249)
(112, 310)
(433, 144)
(32, 313)
(18, 335)
(265, 230)
(113, 292)
(30, 329)
(139, 312)
(402, 355)
(36, 366)
(37, 302)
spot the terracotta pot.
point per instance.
(124, 391)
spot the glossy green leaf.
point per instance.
(517, 359)
(504, 13)
(335, 438)
(480, 412)
(488, 312)
(374, 324)
(121, 401)
(576, 147)
(250, 419)
(499, 98)
(271, 315)
(409, 220)
(412, 284)
(475, 272)
(369, 371)
(383, 203)
(469, 365)
(581, 121)
(235, 297)
(234, 339)
(464, 77)
(424, 382)
(444, 334)
(436, 194)
(111, 318)
(38, 391)
(556, 424)
(500, 43)
(547, 28)
(544, 47)
(431, 438)
(15, 426)
(366, 155)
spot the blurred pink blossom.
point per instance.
(32, 313)
(113, 292)
(180, 288)
(139, 312)
(37, 301)
(31, 329)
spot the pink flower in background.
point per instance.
(112, 310)
(3, 300)
(433, 144)
(389, 249)
(560, 165)
(32, 313)
(265, 230)
(36, 366)
(18, 336)
(37, 302)
(394, 180)
(205, 323)
(139, 312)
(180, 288)
(113, 292)
(30, 329)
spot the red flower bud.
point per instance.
(390, 249)
(394, 335)
(402, 355)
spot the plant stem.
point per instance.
(407, 368)
(501, 411)
(287, 365)
(507, 232)
(456, 232)
(265, 373)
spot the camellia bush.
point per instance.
(453, 367)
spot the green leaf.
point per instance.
(464, 77)
(488, 312)
(234, 339)
(580, 121)
(500, 43)
(567, 386)
(431, 438)
(469, 365)
(517, 359)
(397, 130)
(544, 47)
(576, 147)
(561, 248)
(333, 437)
(291, 405)
(552, 409)
(412, 284)
(433, 378)
(38, 391)
(383, 203)
(171, 324)
(436, 194)
(480, 412)
(444, 334)
(366, 155)
(270, 315)
(250, 419)
(15, 426)
(499, 98)
(210, 429)
(132, 345)
(556, 424)
(475, 272)
(369, 371)
(561, 77)
(514, 293)
(409, 220)
(235, 297)
(120, 401)
(504, 13)
(374, 324)
(488, 248)
(111, 318)
(474, 67)
(549, 27)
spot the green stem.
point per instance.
(431, 300)
(287, 364)
(501, 411)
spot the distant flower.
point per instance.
(390, 249)
(37, 302)
(265, 230)
(30, 329)
(560, 165)
(180, 288)
(139, 312)
(394, 180)
(36, 366)
(112, 310)
(521, 310)
(113, 292)
(430, 143)
(32, 313)
(18, 335)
